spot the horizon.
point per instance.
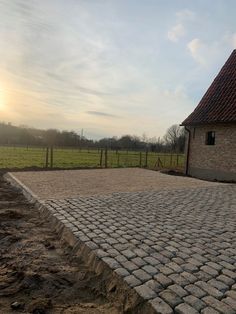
(80, 133)
(110, 68)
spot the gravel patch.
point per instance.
(72, 183)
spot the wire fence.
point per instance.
(67, 158)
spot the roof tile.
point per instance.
(218, 105)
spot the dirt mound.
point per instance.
(39, 274)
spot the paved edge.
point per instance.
(133, 302)
(30, 196)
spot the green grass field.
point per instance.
(23, 157)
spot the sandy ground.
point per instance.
(38, 274)
(72, 183)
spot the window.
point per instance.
(210, 138)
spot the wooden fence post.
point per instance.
(146, 159)
(51, 157)
(101, 158)
(140, 159)
(106, 158)
(46, 163)
(177, 160)
(158, 163)
(118, 160)
(171, 160)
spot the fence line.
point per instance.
(54, 157)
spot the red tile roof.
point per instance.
(218, 105)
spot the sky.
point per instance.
(110, 67)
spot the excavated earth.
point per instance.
(38, 272)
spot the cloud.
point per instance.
(185, 14)
(233, 40)
(101, 114)
(179, 30)
(108, 73)
(212, 53)
(176, 32)
(195, 47)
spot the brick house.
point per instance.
(211, 129)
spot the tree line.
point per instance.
(172, 141)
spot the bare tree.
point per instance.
(175, 138)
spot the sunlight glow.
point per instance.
(2, 99)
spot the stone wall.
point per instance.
(213, 162)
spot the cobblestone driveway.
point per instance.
(176, 248)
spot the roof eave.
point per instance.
(196, 123)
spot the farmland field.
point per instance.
(24, 157)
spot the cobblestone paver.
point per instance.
(177, 248)
(73, 183)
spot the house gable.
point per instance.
(218, 105)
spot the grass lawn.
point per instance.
(23, 157)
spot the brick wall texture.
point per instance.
(213, 161)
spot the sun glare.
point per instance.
(2, 99)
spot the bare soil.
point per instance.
(38, 273)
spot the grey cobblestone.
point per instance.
(185, 308)
(228, 265)
(190, 267)
(216, 266)
(229, 273)
(142, 275)
(218, 285)
(132, 281)
(219, 306)
(225, 279)
(111, 262)
(128, 253)
(140, 252)
(122, 272)
(175, 267)
(161, 306)
(194, 262)
(209, 270)
(129, 266)
(201, 275)
(154, 285)
(121, 259)
(163, 280)
(150, 270)
(138, 261)
(231, 302)
(179, 245)
(209, 310)
(196, 303)
(113, 252)
(190, 277)
(209, 289)
(178, 290)
(179, 280)
(231, 294)
(170, 297)
(146, 292)
(151, 260)
(165, 270)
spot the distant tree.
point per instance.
(156, 144)
(175, 138)
(51, 136)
